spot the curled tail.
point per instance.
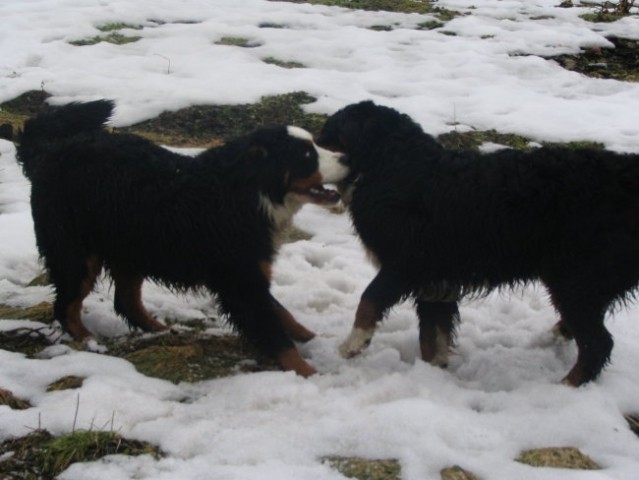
(55, 124)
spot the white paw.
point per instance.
(92, 345)
(357, 341)
(442, 348)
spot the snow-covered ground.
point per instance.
(501, 394)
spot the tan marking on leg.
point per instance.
(367, 315)
(561, 330)
(295, 330)
(366, 318)
(574, 377)
(74, 323)
(129, 292)
(434, 347)
(291, 360)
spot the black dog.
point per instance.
(118, 201)
(443, 224)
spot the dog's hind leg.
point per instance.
(292, 327)
(437, 321)
(386, 289)
(128, 302)
(583, 316)
(72, 285)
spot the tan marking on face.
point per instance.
(267, 270)
(301, 185)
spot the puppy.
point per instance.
(119, 202)
(443, 224)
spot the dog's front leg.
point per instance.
(251, 308)
(386, 289)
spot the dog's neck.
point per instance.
(280, 215)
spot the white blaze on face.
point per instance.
(330, 167)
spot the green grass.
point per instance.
(561, 457)
(283, 63)
(115, 38)
(365, 469)
(237, 42)
(207, 125)
(40, 455)
(111, 27)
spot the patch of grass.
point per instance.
(212, 125)
(112, 27)
(238, 42)
(10, 400)
(189, 356)
(444, 14)
(282, 63)
(16, 111)
(399, 6)
(42, 312)
(610, 11)
(365, 469)
(456, 473)
(576, 145)
(115, 38)
(271, 25)
(405, 6)
(41, 455)
(381, 28)
(618, 63)
(26, 104)
(473, 139)
(28, 341)
(562, 457)
(430, 25)
(197, 126)
(69, 382)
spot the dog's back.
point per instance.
(57, 124)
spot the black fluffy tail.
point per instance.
(58, 123)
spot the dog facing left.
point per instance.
(122, 203)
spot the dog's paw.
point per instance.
(356, 342)
(92, 345)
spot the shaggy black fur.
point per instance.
(442, 224)
(118, 201)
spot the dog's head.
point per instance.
(360, 127)
(293, 169)
(364, 131)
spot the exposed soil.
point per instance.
(618, 63)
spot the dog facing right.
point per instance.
(444, 224)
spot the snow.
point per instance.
(501, 393)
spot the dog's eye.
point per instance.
(307, 154)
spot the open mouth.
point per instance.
(320, 195)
